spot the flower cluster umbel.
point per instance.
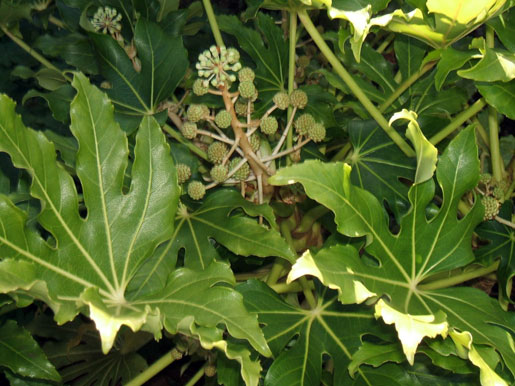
(244, 155)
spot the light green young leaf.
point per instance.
(495, 66)
(426, 152)
(88, 262)
(20, 353)
(419, 250)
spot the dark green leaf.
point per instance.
(410, 53)
(163, 65)
(499, 95)
(21, 354)
(504, 27)
(501, 245)
(450, 60)
(240, 234)
(58, 100)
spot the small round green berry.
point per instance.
(196, 113)
(491, 207)
(282, 100)
(242, 108)
(223, 119)
(219, 173)
(255, 142)
(199, 87)
(247, 89)
(298, 99)
(498, 193)
(304, 123)
(303, 61)
(183, 173)
(216, 152)
(232, 55)
(485, 178)
(243, 172)
(189, 130)
(176, 354)
(246, 74)
(316, 132)
(269, 125)
(196, 190)
(210, 371)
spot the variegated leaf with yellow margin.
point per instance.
(406, 261)
(89, 257)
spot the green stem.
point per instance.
(291, 72)
(152, 370)
(212, 22)
(482, 132)
(405, 85)
(386, 42)
(52, 19)
(458, 279)
(36, 55)
(342, 153)
(310, 217)
(282, 288)
(175, 135)
(458, 121)
(353, 86)
(199, 374)
(306, 288)
(280, 265)
(493, 123)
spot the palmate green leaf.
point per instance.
(163, 65)
(499, 95)
(330, 328)
(501, 245)
(495, 65)
(87, 264)
(405, 260)
(20, 353)
(271, 59)
(377, 166)
(240, 234)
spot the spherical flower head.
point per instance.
(298, 99)
(219, 173)
(216, 152)
(281, 100)
(247, 89)
(255, 142)
(107, 20)
(243, 172)
(491, 207)
(269, 125)
(246, 74)
(196, 112)
(485, 178)
(200, 88)
(317, 132)
(304, 123)
(183, 173)
(242, 109)
(189, 130)
(196, 190)
(498, 193)
(223, 119)
(233, 55)
(217, 65)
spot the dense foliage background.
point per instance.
(263, 192)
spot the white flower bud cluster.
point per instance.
(216, 65)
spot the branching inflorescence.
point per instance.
(244, 154)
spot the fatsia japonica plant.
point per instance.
(264, 193)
